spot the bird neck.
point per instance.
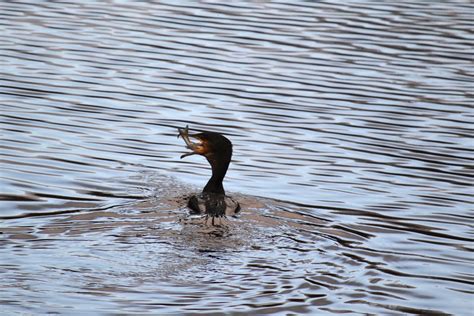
(219, 169)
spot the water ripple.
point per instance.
(351, 124)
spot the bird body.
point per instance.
(214, 205)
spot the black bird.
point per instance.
(218, 151)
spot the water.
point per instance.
(352, 132)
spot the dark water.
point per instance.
(352, 131)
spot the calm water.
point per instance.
(352, 131)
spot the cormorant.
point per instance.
(217, 149)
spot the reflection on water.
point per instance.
(350, 122)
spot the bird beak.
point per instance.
(195, 147)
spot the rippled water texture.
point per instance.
(352, 131)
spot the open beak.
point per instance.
(196, 148)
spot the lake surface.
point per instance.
(352, 127)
